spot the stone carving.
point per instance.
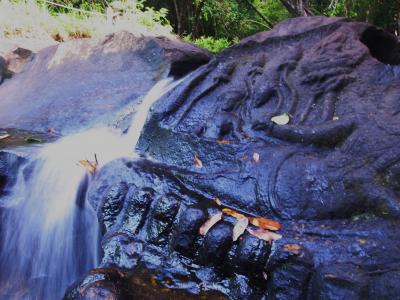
(331, 176)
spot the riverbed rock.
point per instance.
(80, 83)
(300, 125)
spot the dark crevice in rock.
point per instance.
(181, 68)
(382, 45)
(3, 183)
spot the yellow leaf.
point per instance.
(90, 166)
(256, 157)
(231, 212)
(197, 162)
(282, 119)
(210, 223)
(265, 235)
(240, 226)
(4, 136)
(265, 223)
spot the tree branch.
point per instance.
(269, 23)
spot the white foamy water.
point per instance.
(50, 236)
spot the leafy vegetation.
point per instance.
(212, 24)
(208, 42)
(41, 20)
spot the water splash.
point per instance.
(50, 235)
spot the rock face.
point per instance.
(80, 83)
(331, 176)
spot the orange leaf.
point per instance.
(90, 166)
(210, 223)
(265, 235)
(292, 248)
(231, 212)
(240, 226)
(265, 223)
(223, 142)
(197, 162)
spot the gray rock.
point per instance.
(76, 84)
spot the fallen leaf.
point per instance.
(197, 162)
(282, 119)
(4, 136)
(265, 235)
(335, 118)
(90, 166)
(210, 223)
(217, 201)
(265, 275)
(292, 248)
(32, 140)
(223, 142)
(265, 223)
(231, 212)
(240, 226)
(256, 157)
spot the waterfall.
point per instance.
(49, 233)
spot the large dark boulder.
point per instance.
(79, 83)
(331, 176)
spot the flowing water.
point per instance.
(49, 233)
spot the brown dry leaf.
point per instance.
(4, 136)
(295, 248)
(231, 212)
(240, 226)
(90, 166)
(265, 235)
(256, 157)
(197, 162)
(223, 142)
(210, 223)
(265, 223)
(217, 201)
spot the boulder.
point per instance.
(74, 85)
(300, 125)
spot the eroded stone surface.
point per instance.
(330, 176)
(80, 83)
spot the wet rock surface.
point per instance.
(330, 176)
(80, 83)
(15, 148)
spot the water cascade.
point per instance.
(49, 233)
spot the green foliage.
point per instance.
(210, 43)
(382, 13)
(212, 24)
(40, 20)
